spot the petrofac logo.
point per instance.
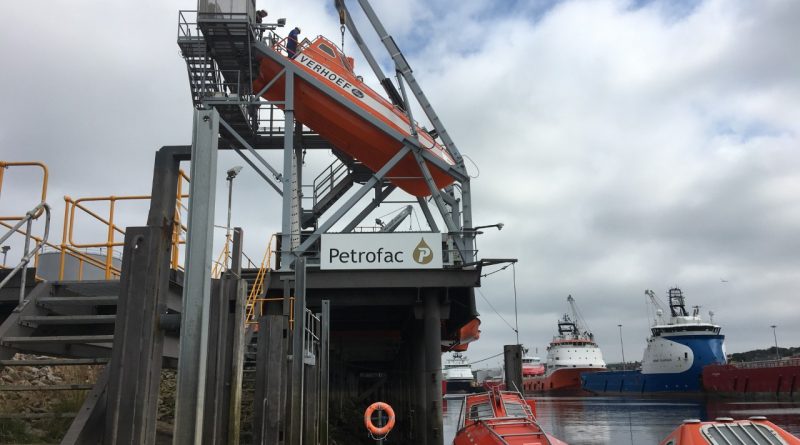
(381, 251)
(422, 253)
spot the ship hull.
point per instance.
(457, 387)
(562, 380)
(765, 379)
(705, 350)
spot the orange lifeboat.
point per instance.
(502, 418)
(459, 342)
(344, 128)
(728, 431)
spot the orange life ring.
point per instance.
(379, 406)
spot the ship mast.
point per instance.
(677, 305)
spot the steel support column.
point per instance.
(289, 175)
(190, 394)
(324, 370)
(433, 366)
(419, 389)
(295, 427)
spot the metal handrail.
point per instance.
(258, 285)
(45, 175)
(35, 213)
(767, 363)
(328, 178)
(311, 336)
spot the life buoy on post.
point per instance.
(374, 430)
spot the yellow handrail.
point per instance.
(253, 299)
(45, 175)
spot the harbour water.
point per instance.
(635, 421)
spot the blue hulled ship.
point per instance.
(675, 355)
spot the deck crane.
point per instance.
(657, 319)
(579, 320)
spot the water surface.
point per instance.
(635, 421)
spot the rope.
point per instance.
(495, 310)
(487, 358)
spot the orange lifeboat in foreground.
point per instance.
(342, 127)
(756, 430)
(502, 418)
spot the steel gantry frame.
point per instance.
(228, 117)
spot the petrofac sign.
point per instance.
(381, 251)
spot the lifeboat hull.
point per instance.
(345, 129)
(500, 417)
(729, 431)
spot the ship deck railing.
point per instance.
(777, 363)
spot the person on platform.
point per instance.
(260, 14)
(291, 43)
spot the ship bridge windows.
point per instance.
(686, 328)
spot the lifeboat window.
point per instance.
(515, 410)
(327, 50)
(481, 411)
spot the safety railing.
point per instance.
(78, 252)
(778, 363)
(257, 295)
(27, 253)
(311, 335)
(329, 178)
(45, 175)
(114, 234)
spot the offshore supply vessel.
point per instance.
(676, 353)
(457, 375)
(572, 352)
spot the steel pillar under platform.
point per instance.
(386, 339)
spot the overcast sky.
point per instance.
(626, 145)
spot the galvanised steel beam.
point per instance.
(295, 428)
(190, 395)
(257, 170)
(380, 196)
(249, 148)
(405, 69)
(362, 45)
(324, 370)
(423, 205)
(432, 321)
(289, 174)
(340, 212)
(452, 227)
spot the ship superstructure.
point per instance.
(676, 352)
(457, 374)
(570, 353)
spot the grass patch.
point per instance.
(14, 431)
